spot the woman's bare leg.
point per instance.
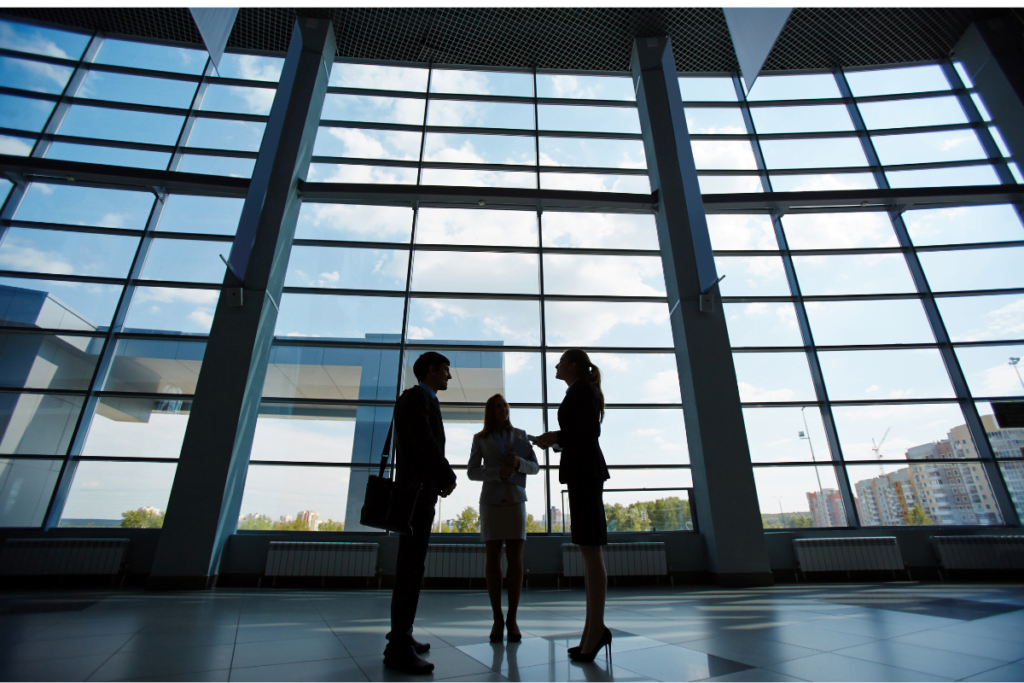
(597, 589)
(492, 572)
(514, 578)
(586, 619)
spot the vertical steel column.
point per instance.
(817, 378)
(728, 510)
(190, 121)
(206, 495)
(931, 309)
(60, 110)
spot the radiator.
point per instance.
(321, 559)
(848, 554)
(620, 559)
(980, 552)
(63, 556)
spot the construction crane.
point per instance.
(877, 448)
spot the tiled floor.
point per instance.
(873, 632)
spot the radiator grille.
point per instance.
(620, 559)
(458, 561)
(62, 557)
(848, 554)
(321, 559)
(980, 552)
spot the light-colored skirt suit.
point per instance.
(502, 503)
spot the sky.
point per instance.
(646, 436)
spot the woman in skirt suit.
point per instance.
(583, 471)
(502, 507)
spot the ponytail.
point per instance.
(588, 371)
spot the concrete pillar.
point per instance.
(730, 519)
(207, 492)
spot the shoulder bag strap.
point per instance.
(386, 453)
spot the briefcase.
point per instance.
(388, 504)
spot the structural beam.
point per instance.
(206, 495)
(730, 518)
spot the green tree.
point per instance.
(142, 519)
(918, 517)
(294, 525)
(771, 522)
(533, 526)
(331, 525)
(801, 521)
(467, 522)
(257, 523)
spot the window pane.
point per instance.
(973, 269)
(75, 205)
(203, 215)
(603, 275)
(800, 119)
(37, 424)
(111, 156)
(238, 99)
(227, 166)
(715, 120)
(786, 434)
(599, 230)
(275, 494)
(103, 491)
(57, 305)
(1013, 476)
(138, 428)
(819, 183)
(853, 274)
(367, 144)
(66, 253)
(921, 148)
(299, 432)
(26, 74)
(989, 371)
(445, 271)
(933, 111)
(25, 489)
(151, 56)
(637, 436)
(882, 374)
(594, 323)
(950, 177)
(762, 324)
(243, 136)
(481, 83)
(164, 309)
(627, 377)
(185, 261)
(641, 509)
(589, 152)
(328, 373)
(589, 119)
(838, 230)
(340, 317)
(250, 67)
(707, 89)
(729, 184)
(344, 268)
(357, 173)
(42, 41)
(894, 432)
(354, 222)
(723, 154)
(799, 497)
(477, 226)
(475, 320)
(794, 87)
(773, 377)
(377, 109)
(478, 375)
(48, 361)
(979, 318)
(752, 276)
(842, 323)
(585, 87)
(594, 182)
(155, 366)
(468, 178)
(737, 231)
(816, 153)
(479, 114)
(479, 149)
(20, 147)
(158, 92)
(126, 126)
(963, 225)
(895, 81)
(375, 77)
(24, 113)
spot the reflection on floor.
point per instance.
(873, 632)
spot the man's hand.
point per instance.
(447, 491)
(546, 440)
(512, 462)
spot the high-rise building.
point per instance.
(827, 508)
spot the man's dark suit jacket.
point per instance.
(579, 425)
(419, 442)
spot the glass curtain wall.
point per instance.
(836, 358)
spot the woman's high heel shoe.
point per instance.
(606, 641)
(499, 636)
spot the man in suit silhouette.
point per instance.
(419, 458)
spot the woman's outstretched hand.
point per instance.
(546, 440)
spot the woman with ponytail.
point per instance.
(583, 471)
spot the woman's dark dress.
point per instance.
(582, 467)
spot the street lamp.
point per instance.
(1013, 362)
(806, 434)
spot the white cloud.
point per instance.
(730, 231)
(203, 318)
(516, 362)
(22, 254)
(662, 387)
(419, 332)
(14, 146)
(952, 142)
(34, 43)
(647, 432)
(750, 393)
(719, 154)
